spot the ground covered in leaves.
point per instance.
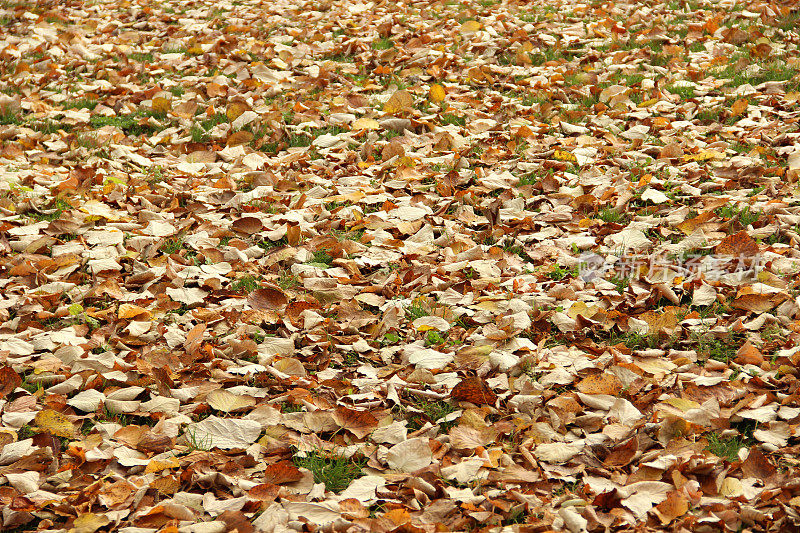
(399, 266)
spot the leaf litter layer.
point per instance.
(423, 266)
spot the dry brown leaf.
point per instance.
(268, 298)
(282, 472)
(474, 390)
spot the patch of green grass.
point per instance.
(636, 341)
(321, 258)
(382, 44)
(59, 207)
(611, 215)
(721, 349)
(416, 310)
(527, 179)
(748, 217)
(213, 120)
(287, 280)
(772, 71)
(354, 235)
(434, 338)
(709, 115)
(455, 120)
(684, 92)
(245, 284)
(298, 140)
(745, 215)
(433, 410)
(560, 272)
(142, 57)
(620, 283)
(199, 132)
(390, 338)
(130, 124)
(199, 135)
(197, 442)
(267, 244)
(726, 211)
(172, 245)
(29, 385)
(335, 472)
(177, 91)
(80, 103)
(50, 126)
(340, 58)
(288, 407)
(26, 432)
(551, 53)
(725, 448)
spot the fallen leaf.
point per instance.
(55, 423)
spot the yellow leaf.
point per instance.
(471, 26)
(162, 464)
(563, 155)
(731, 488)
(161, 105)
(739, 106)
(127, 310)
(235, 109)
(682, 404)
(225, 401)
(55, 423)
(399, 101)
(704, 155)
(366, 124)
(89, 523)
(437, 93)
(580, 308)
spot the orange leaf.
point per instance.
(690, 224)
(267, 298)
(282, 472)
(473, 389)
(674, 506)
(264, 492)
(360, 423)
(239, 137)
(605, 383)
(739, 106)
(437, 93)
(194, 338)
(9, 380)
(127, 311)
(739, 245)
